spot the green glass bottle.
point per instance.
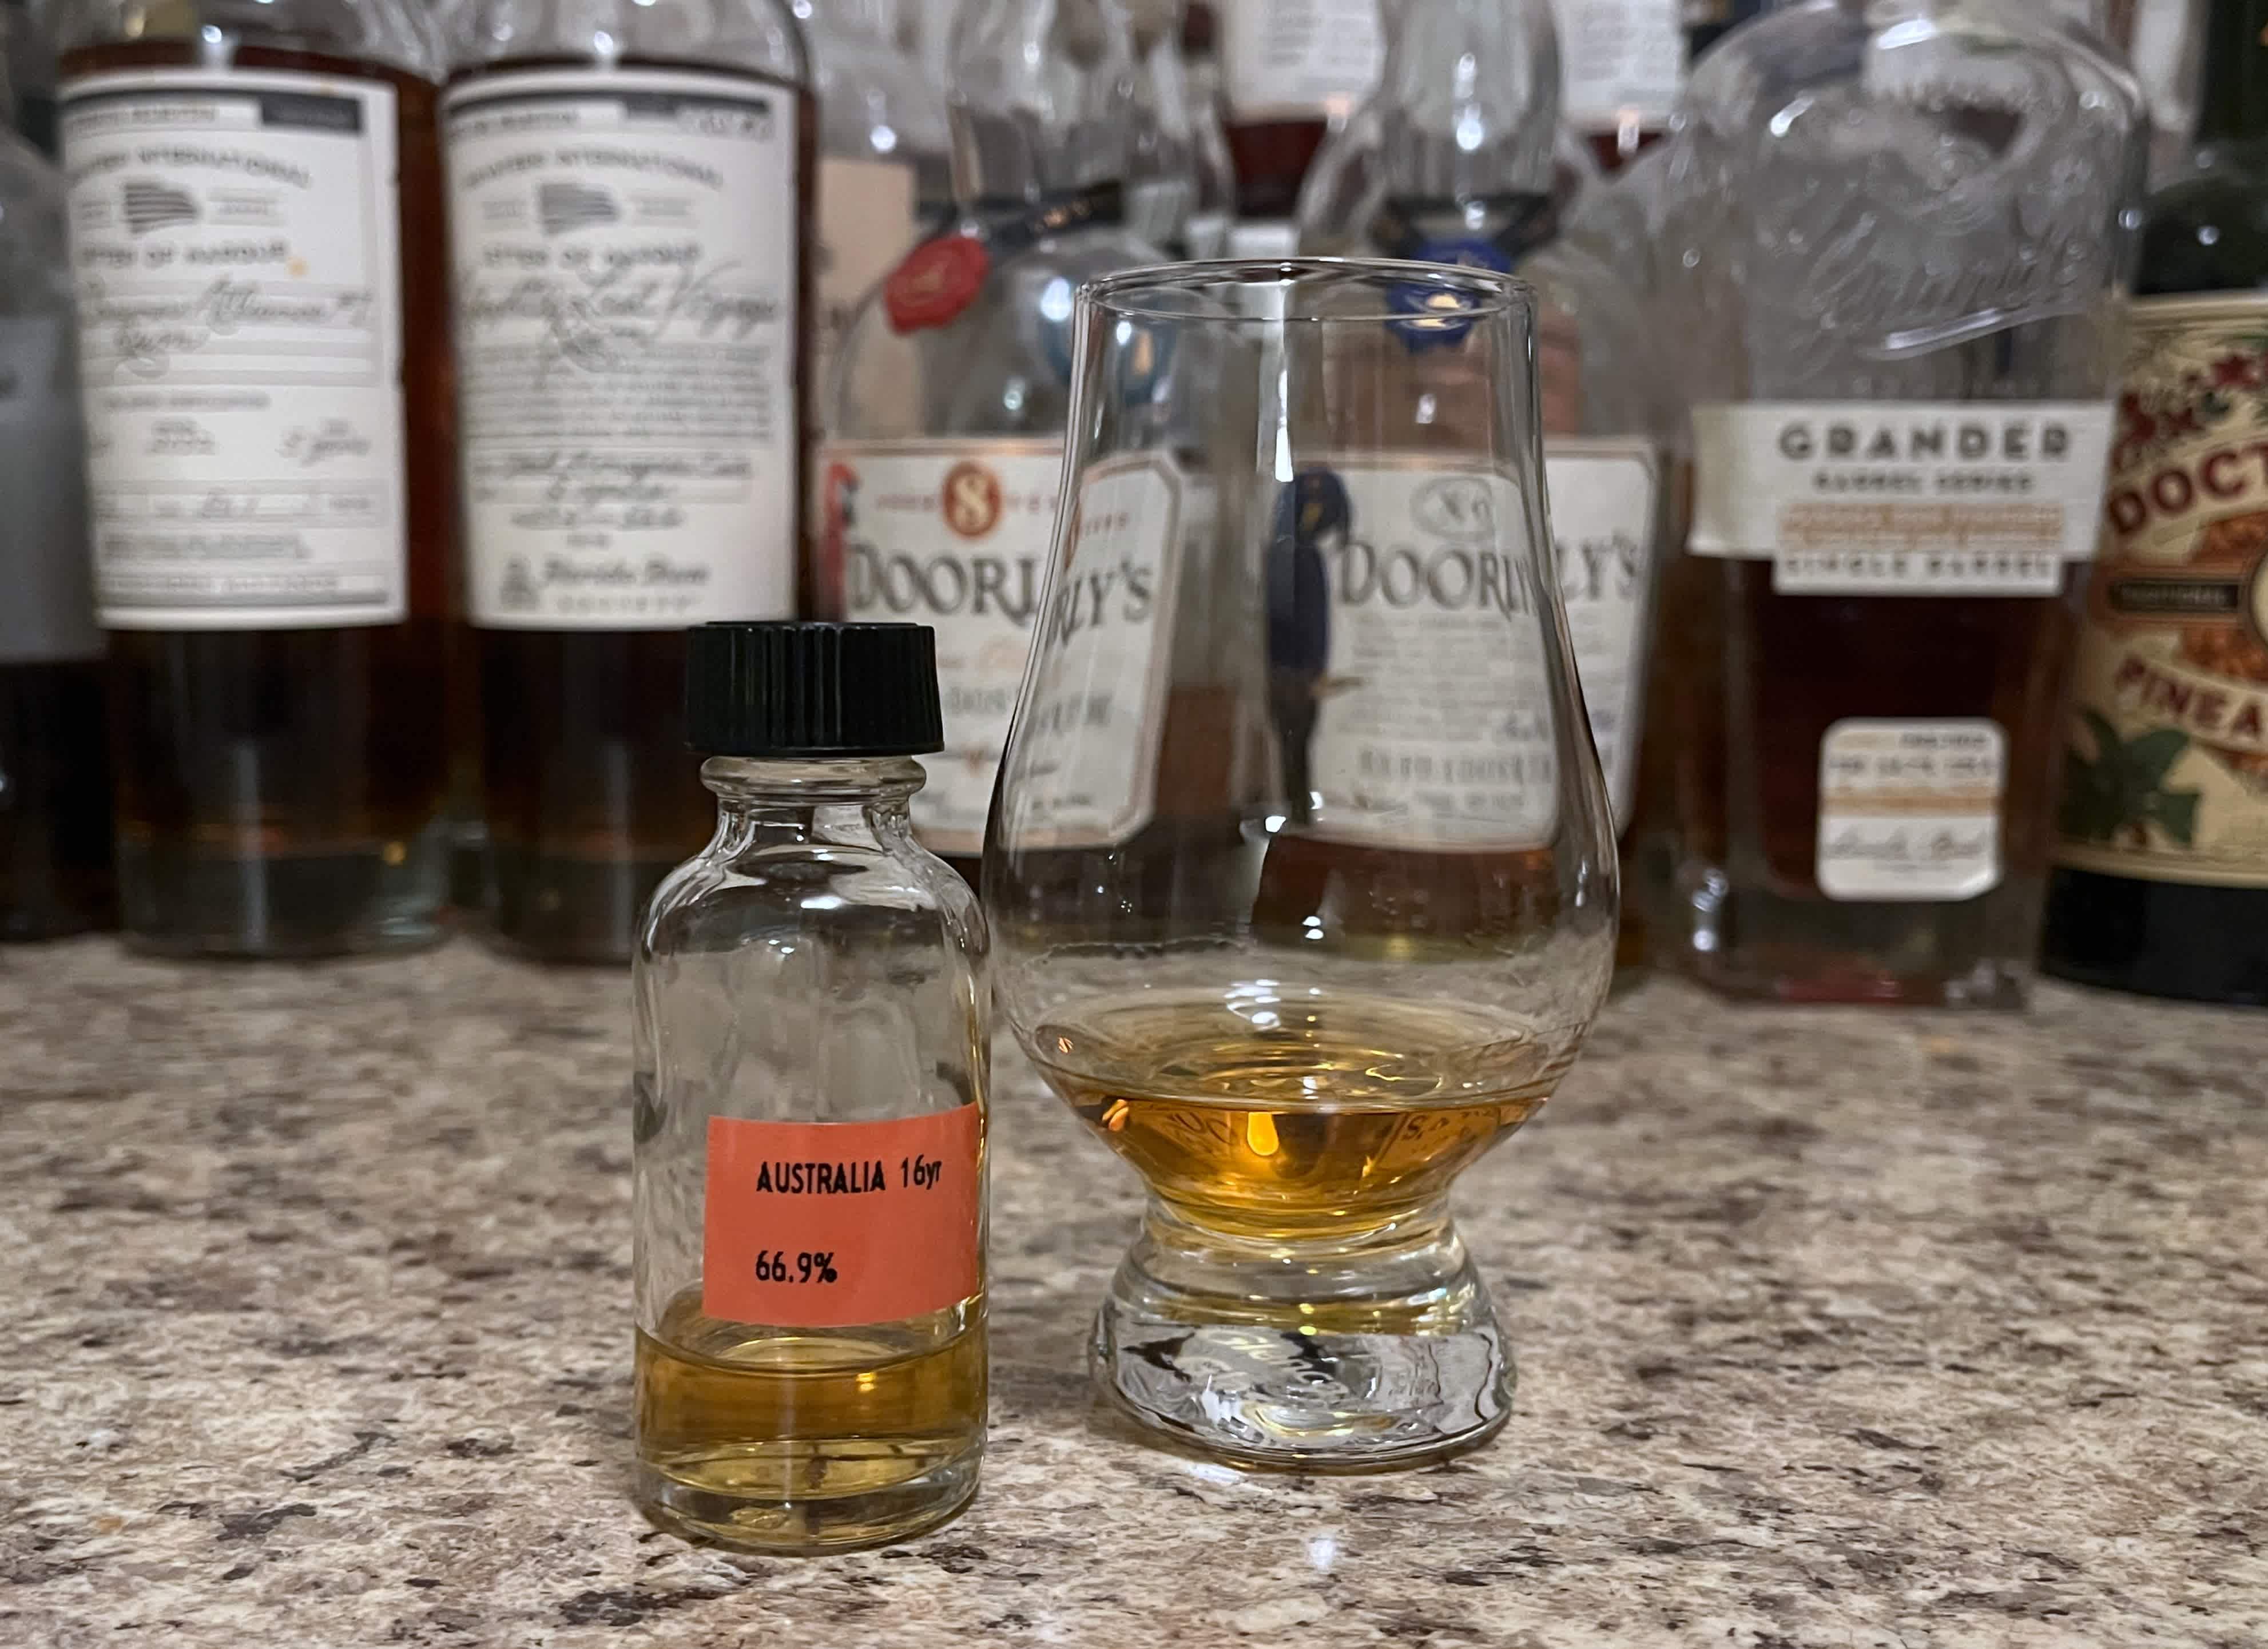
(2162, 877)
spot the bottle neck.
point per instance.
(1040, 99)
(2233, 102)
(806, 795)
(1468, 97)
(865, 22)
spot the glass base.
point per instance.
(387, 897)
(1368, 1355)
(737, 1503)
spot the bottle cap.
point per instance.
(788, 690)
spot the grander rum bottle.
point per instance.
(629, 187)
(2161, 866)
(254, 201)
(1451, 160)
(1900, 262)
(55, 782)
(945, 437)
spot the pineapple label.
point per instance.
(1905, 498)
(625, 292)
(954, 534)
(2166, 761)
(1408, 675)
(235, 260)
(1910, 810)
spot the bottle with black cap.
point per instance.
(812, 1063)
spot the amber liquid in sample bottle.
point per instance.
(593, 536)
(279, 788)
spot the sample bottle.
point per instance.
(945, 435)
(812, 1055)
(54, 782)
(629, 187)
(1902, 355)
(2160, 882)
(255, 208)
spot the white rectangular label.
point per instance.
(1913, 497)
(1911, 810)
(235, 248)
(954, 534)
(626, 262)
(1086, 750)
(1620, 60)
(1605, 496)
(1297, 59)
(1407, 661)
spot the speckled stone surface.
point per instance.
(1837, 1328)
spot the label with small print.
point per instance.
(1086, 757)
(1604, 496)
(1901, 497)
(2166, 763)
(625, 244)
(1419, 687)
(954, 534)
(234, 244)
(826, 1225)
(1621, 61)
(1297, 59)
(1911, 810)
(48, 612)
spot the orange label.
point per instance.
(824, 1224)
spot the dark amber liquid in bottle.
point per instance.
(278, 791)
(589, 791)
(1271, 159)
(55, 801)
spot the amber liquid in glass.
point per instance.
(278, 790)
(589, 792)
(54, 802)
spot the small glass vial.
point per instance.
(813, 1059)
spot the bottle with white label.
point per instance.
(630, 190)
(1291, 70)
(1454, 160)
(938, 486)
(54, 783)
(883, 179)
(1900, 245)
(255, 226)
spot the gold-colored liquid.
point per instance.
(809, 1439)
(1264, 1118)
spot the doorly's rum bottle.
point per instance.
(254, 210)
(2162, 860)
(629, 192)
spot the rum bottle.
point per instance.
(256, 231)
(1901, 252)
(2160, 882)
(629, 187)
(945, 437)
(55, 781)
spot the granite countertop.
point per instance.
(1837, 1328)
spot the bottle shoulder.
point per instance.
(763, 889)
(394, 34)
(751, 36)
(2208, 231)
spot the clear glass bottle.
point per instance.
(1455, 159)
(1623, 65)
(1161, 157)
(1291, 69)
(270, 415)
(633, 317)
(1902, 232)
(813, 1055)
(944, 441)
(2160, 882)
(55, 781)
(1215, 213)
(884, 180)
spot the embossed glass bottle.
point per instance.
(1453, 160)
(945, 435)
(628, 189)
(811, 1058)
(1901, 234)
(263, 343)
